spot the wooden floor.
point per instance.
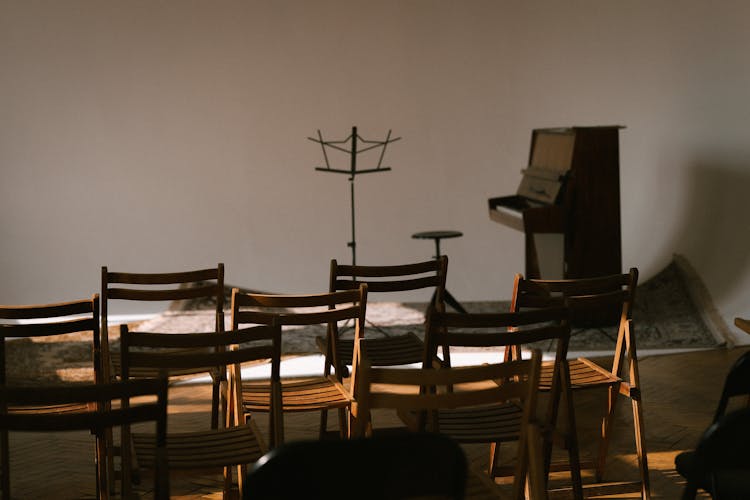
(680, 392)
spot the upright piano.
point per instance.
(571, 186)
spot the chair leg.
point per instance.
(571, 440)
(343, 424)
(519, 479)
(640, 445)
(638, 427)
(241, 475)
(549, 438)
(327, 366)
(323, 422)
(102, 485)
(6, 465)
(344, 430)
(227, 493)
(607, 425)
(215, 403)
(161, 476)
(536, 478)
(128, 463)
(494, 459)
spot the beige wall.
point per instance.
(169, 135)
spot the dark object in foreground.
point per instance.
(394, 467)
(720, 463)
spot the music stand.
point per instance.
(352, 172)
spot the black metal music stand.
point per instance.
(352, 172)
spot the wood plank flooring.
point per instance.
(680, 393)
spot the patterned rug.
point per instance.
(673, 310)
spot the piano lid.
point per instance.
(552, 149)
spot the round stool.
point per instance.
(437, 236)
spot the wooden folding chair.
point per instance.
(205, 284)
(510, 330)
(390, 350)
(240, 442)
(45, 320)
(94, 411)
(318, 393)
(597, 300)
(475, 391)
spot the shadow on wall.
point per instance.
(714, 232)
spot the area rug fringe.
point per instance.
(704, 303)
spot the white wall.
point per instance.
(170, 135)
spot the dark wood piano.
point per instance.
(572, 187)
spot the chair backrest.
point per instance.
(534, 328)
(157, 287)
(616, 290)
(736, 383)
(167, 351)
(100, 414)
(605, 299)
(430, 274)
(420, 465)
(412, 389)
(550, 325)
(312, 309)
(44, 320)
